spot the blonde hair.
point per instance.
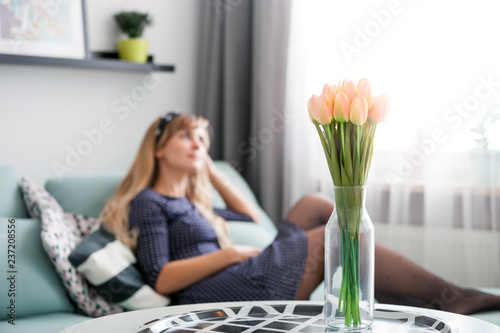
(144, 172)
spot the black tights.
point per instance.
(397, 279)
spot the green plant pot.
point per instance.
(133, 49)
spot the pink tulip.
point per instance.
(378, 113)
(359, 110)
(349, 89)
(341, 109)
(319, 109)
(310, 109)
(365, 90)
(330, 90)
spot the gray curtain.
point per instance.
(241, 89)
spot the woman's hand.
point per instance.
(241, 253)
(233, 198)
(179, 274)
(213, 172)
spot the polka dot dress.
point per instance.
(172, 229)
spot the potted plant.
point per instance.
(132, 23)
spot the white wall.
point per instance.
(44, 111)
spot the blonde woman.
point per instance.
(162, 210)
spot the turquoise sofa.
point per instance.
(36, 295)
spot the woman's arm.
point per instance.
(148, 215)
(233, 198)
(179, 274)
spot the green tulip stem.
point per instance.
(349, 212)
(324, 144)
(359, 144)
(342, 136)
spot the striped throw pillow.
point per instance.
(108, 265)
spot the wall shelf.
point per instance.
(97, 60)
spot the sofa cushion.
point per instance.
(37, 200)
(108, 265)
(33, 274)
(60, 233)
(95, 190)
(84, 195)
(249, 233)
(11, 200)
(239, 182)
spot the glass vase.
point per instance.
(349, 262)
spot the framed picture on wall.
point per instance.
(43, 28)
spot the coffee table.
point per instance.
(402, 319)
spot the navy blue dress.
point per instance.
(172, 229)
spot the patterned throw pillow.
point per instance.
(108, 265)
(61, 233)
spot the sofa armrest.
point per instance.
(33, 287)
(11, 199)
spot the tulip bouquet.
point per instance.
(346, 116)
